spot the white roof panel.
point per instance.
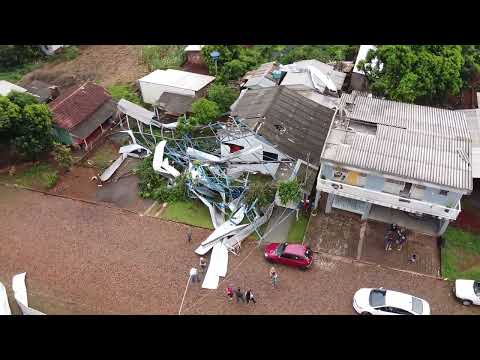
(194, 47)
(179, 79)
(6, 87)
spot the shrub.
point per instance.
(69, 52)
(263, 191)
(223, 96)
(63, 155)
(124, 91)
(289, 191)
(51, 179)
(154, 186)
(163, 56)
(205, 111)
(234, 69)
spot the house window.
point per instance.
(268, 156)
(406, 189)
(443, 192)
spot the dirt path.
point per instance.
(105, 64)
(87, 259)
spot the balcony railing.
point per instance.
(389, 200)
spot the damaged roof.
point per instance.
(77, 104)
(102, 114)
(175, 103)
(40, 89)
(418, 143)
(297, 126)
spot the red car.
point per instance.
(295, 255)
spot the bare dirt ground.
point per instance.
(87, 259)
(105, 64)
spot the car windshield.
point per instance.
(377, 297)
(476, 287)
(417, 305)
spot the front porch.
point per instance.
(343, 233)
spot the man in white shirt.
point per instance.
(194, 275)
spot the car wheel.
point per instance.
(466, 302)
(365, 313)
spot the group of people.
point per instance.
(395, 235)
(194, 275)
(247, 296)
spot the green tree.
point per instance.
(22, 99)
(33, 131)
(227, 53)
(423, 74)
(9, 114)
(16, 55)
(205, 111)
(63, 155)
(289, 191)
(223, 96)
(234, 69)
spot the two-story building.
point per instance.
(396, 162)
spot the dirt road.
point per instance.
(87, 259)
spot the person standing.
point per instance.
(189, 235)
(273, 277)
(194, 275)
(203, 265)
(239, 295)
(249, 296)
(230, 293)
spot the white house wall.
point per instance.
(151, 92)
(247, 142)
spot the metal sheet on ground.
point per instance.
(211, 279)
(158, 156)
(4, 305)
(107, 174)
(219, 259)
(20, 294)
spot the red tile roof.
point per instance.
(77, 104)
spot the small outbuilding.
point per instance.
(81, 114)
(186, 83)
(194, 54)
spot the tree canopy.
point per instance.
(26, 124)
(424, 74)
(223, 96)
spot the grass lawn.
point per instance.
(297, 231)
(103, 156)
(40, 176)
(189, 212)
(461, 255)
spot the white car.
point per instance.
(468, 291)
(381, 301)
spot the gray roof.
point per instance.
(296, 125)
(418, 143)
(261, 77)
(473, 123)
(175, 103)
(88, 126)
(40, 89)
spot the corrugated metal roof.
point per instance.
(297, 125)
(473, 123)
(178, 79)
(409, 141)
